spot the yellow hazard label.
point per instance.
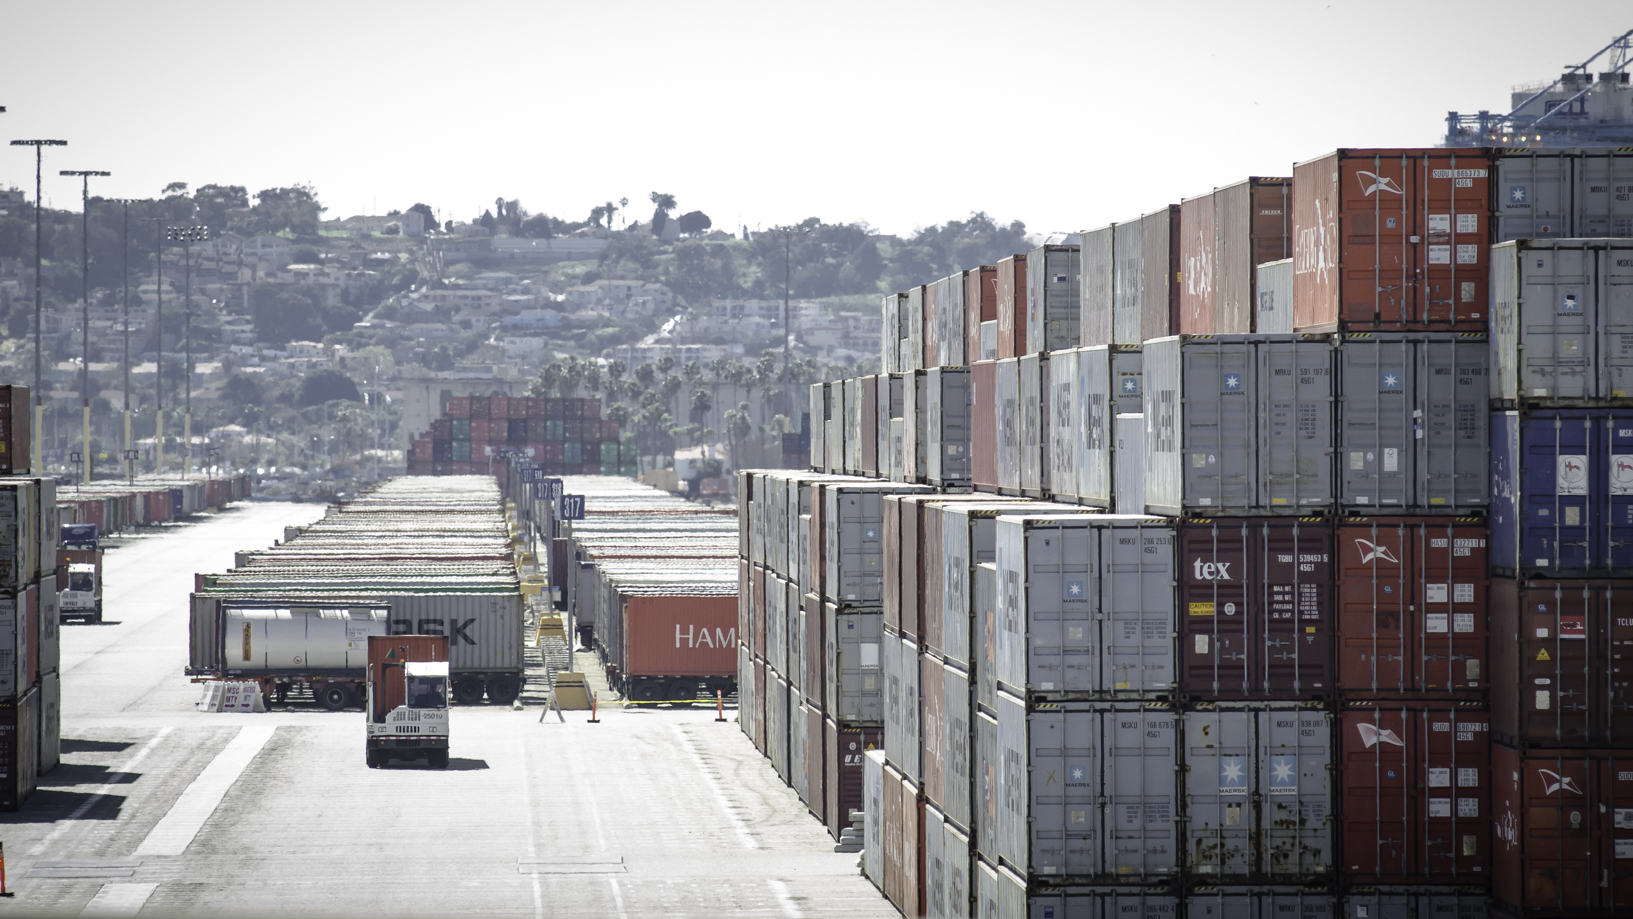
(1543, 655)
(1201, 609)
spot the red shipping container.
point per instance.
(1415, 793)
(1393, 239)
(549, 452)
(479, 431)
(499, 407)
(894, 824)
(1011, 295)
(980, 305)
(1563, 822)
(459, 407)
(757, 612)
(462, 469)
(553, 409)
(591, 409)
(1256, 608)
(1412, 606)
(842, 753)
(1558, 661)
(984, 425)
(422, 451)
(443, 467)
(609, 431)
(679, 636)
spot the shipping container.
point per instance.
(1109, 382)
(867, 429)
(967, 537)
(980, 307)
(19, 748)
(844, 752)
(776, 724)
(1090, 902)
(1412, 607)
(957, 734)
(854, 400)
(912, 346)
(1007, 402)
(915, 405)
(932, 726)
(1414, 250)
(747, 702)
(834, 439)
(984, 425)
(1274, 297)
(1238, 424)
(50, 732)
(1262, 902)
(873, 817)
(956, 854)
(852, 678)
(1556, 662)
(1227, 234)
(1562, 483)
(931, 342)
(1011, 302)
(1257, 598)
(887, 406)
(890, 311)
(1160, 235)
(1562, 193)
(1128, 250)
(762, 697)
(819, 426)
(1562, 323)
(902, 705)
(1563, 822)
(1086, 604)
(1062, 460)
(1032, 372)
(950, 339)
(1257, 790)
(1128, 463)
(50, 625)
(1053, 292)
(1414, 902)
(1098, 295)
(816, 762)
(16, 419)
(1415, 801)
(948, 417)
(854, 550)
(1413, 425)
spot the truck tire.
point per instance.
(469, 690)
(683, 693)
(503, 690)
(334, 696)
(437, 759)
(372, 758)
(96, 617)
(646, 693)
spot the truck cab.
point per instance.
(79, 573)
(407, 700)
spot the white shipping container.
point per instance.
(50, 624)
(1274, 312)
(1573, 192)
(873, 817)
(934, 866)
(1008, 406)
(1065, 425)
(955, 854)
(1128, 463)
(50, 721)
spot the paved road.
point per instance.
(162, 809)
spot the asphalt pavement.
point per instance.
(160, 809)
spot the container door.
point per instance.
(1617, 529)
(1375, 423)
(1557, 290)
(1453, 439)
(1615, 322)
(1135, 611)
(1555, 492)
(1219, 454)
(1374, 603)
(1294, 759)
(1296, 411)
(1140, 750)
(1221, 793)
(1217, 634)
(1296, 608)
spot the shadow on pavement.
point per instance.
(466, 764)
(48, 805)
(85, 774)
(70, 745)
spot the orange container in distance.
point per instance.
(408, 700)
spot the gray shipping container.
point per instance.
(1033, 374)
(933, 869)
(881, 423)
(1086, 604)
(967, 536)
(989, 340)
(1105, 903)
(951, 343)
(984, 656)
(913, 404)
(1275, 902)
(1128, 463)
(921, 429)
(1559, 193)
(1273, 313)
(1414, 421)
(1008, 405)
(947, 454)
(1053, 295)
(902, 701)
(50, 733)
(776, 623)
(819, 425)
(956, 852)
(986, 891)
(1063, 458)
(745, 691)
(50, 624)
(1097, 300)
(854, 522)
(896, 439)
(1109, 381)
(958, 745)
(912, 347)
(853, 426)
(776, 724)
(836, 427)
(987, 790)
(873, 817)
(1258, 792)
(798, 734)
(1088, 791)
(1238, 424)
(1127, 248)
(853, 694)
(890, 324)
(1562, 322)
(1159, 270)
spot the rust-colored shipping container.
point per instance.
(929, 354)
(759, 707)
(816, 768)
(1227, 234)
(984, 425)
(1395, 239)
(894, 826)
(1415, 793)
(391, 688)
(1255, 608)
(1160, 237)
(933, 725)
(499, 407)
(757, 612)
(842, 753)
(679, 636)
(16, 417)
(458, 407)
(1563, 826)
(1559, 662)
(870, 424)
(911, 856)
(814, 658)
(1412, 607)
(980, 305)
(1011, 290)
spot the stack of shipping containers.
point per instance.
(564, 436)
(30, 687)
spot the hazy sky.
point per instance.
(1064, 115)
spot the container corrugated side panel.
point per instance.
(1128, 463)
(867, 451)
(955, 849)
(913, 342)
(797, 747)
(881, 420)
(1008, 405)
(988, 789)
(952, 341)
(1044, 596)
(986, 891)
(1097, 300)
(1094, 444)
(1136, 608)
(819, 425)
(984, 657)
(205, 633)
(484, 631)
(932, 731)
(873, 814)
(921, 428)
(1128, 253)
(745, 691)
(1221, 794)
(932, 321)
(1254, 221)
(836, 427)
(912, 765)
(1576, 192)
(890, 654)
(914, 405)
(854, 657)
(1221, 390)
(1198, 263)
(1016, 822)
(1295, 413)
(889, 323)
(1159, 266)
(958, 742)
(853, 426)
(1453, 451)
(1139, 749)
(1273, 307)
(984, 425)
(1055, 291)
(1296, 829)
(1165, 473)
(1033, 374)
(1065, 424)
(776, 724)
(1375, 423)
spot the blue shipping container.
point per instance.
(1562, 493)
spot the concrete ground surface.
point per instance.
(161, 809)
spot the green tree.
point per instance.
(214, 204)
(663, 203)
(278, 210)
(702, 402)
(693, 222)
(241, 389)
(286, 312)
(326, 385)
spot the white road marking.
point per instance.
(779, 889)
(119, 900)
(532, 843)
(101, 793)
(617, 898)
(748, 841)
(175, 831)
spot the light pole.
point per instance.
(158, 321)
(85, 313)
(187, 236)
(129, 454)
(37, 461)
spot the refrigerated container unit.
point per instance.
(1238, 424)
(1562, 322)
(1053, 289)
(1562, 503)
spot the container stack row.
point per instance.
(563, 436)
(30, 631)
(116, 507)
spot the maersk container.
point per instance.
(1086, 791)
(984, 657)
(853, 426)
(1238, 424)
(1053, 295)
(967, 540)
(1097, 299)
(913, 403)
(987, 791)
(958, 744)
(1008, 406)
(1091, 902)
(835, 439)
(897, 444)
(798, 748)
(1413, 422)
(1086, 604)
(903, 740)
(1109, 382)
(1062, 457)
(1273, 902)
(1128, 463)
(890, 314)
(933, 870)
(948, 417)
(776, 724)
(867, 451)
(986, 891)
(873, 817)
(1573, 192)
(1033, 373)
(1562, 493)
(776, 623)
(952, 338)
(1562, 322)
(1257, 788)
(956, 853)
(854, 554)
(851, 670)
(819, 426)
(1273, 313)
(912, 346)
(1128, 254)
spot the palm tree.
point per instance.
(660, 213)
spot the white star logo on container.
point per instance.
(1128, 385)
(1232, 774)
(1077, 773)
(1281, 771)
(1391, 381)
(1233, 382)
(1074, 588)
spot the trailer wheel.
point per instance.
(334, 696)
(469, 690)
(96, 617)
(437, 759)
(683, 693)
(503, 690)
(646, 693)
(372, 758)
